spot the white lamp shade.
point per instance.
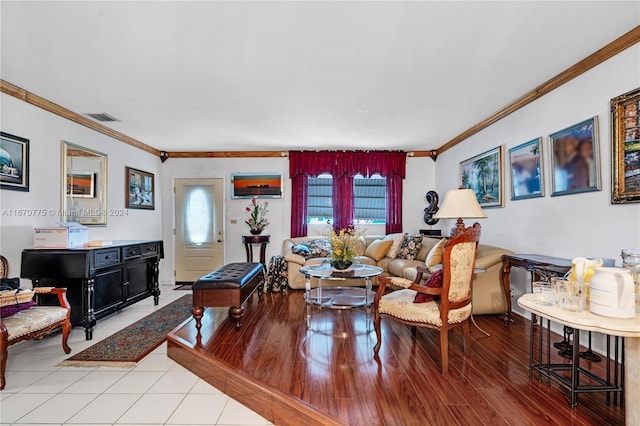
(460, 203)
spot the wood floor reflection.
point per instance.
(328, 375)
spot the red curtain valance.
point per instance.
(347, 163)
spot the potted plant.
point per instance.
(257, 220)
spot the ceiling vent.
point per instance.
(102, 116)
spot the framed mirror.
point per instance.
(83, 185)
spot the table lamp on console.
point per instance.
(461, 204)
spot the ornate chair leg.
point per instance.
(444, 350)
(467, 340)
(4, 353)
(66, 328)
(376, 326)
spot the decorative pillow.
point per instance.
(410, 247)
(435, 255)
(378, 249)
(7, 311)
(434, 281)
(302, 249)
(319, 248)
(395, 246)
(360, 246)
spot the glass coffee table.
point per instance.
(336, 296)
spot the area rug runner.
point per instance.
(129, 345)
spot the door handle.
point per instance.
(219, 241)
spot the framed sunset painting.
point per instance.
(256, 185)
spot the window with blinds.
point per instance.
(370, 199)
(319, 203)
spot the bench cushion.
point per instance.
(231, 276)
(33, 319)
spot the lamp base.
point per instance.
(458, 229)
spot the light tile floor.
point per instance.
(157, 391)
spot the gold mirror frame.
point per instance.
(83, 185)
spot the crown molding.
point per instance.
(618, 45)
(40, 102)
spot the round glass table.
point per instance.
(336, 296)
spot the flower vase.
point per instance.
(255, 231)
(340, 266)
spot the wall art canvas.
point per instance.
(575, 159)
(140, 189)
(14, 162)
(527, 178)
(483, 173)
(256, 185)
(625, 148)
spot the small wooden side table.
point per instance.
(250, 240)
(540, 267)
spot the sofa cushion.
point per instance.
(396, 267)
(427, 245)
(378, 249)
(435, 255)
(410, 247)
(395, 247)
(434, 281)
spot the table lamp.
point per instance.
(460, 204)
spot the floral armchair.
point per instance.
(453, 309)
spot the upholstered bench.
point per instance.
(231, 285)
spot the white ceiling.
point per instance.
(233, 76)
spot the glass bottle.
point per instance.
(631, 261)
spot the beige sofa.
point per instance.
(488, 293)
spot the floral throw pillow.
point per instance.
(319, 248)
(410, 247)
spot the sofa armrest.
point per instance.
(488, 256)
(295, 258)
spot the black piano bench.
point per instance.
(231, 285)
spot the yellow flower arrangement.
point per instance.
(343, 247)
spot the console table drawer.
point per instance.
(107, 257)
(149, 249)
(131, 251)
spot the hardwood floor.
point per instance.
(328, 375)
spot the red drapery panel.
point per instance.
(343, 166)
(343, 201)
(394, 204)
(299, 192)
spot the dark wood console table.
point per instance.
(250, 240)
(99, 280)
(541, 267)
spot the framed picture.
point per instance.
(140, 189)
(14, 162)
(256, 185)
(625, 148)
(483, 173)
(527, 178)
(575, 159)
(81, 184)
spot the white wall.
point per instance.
(420, 179)
(567, 226)
(45, 132)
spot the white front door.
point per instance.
(199, 234)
